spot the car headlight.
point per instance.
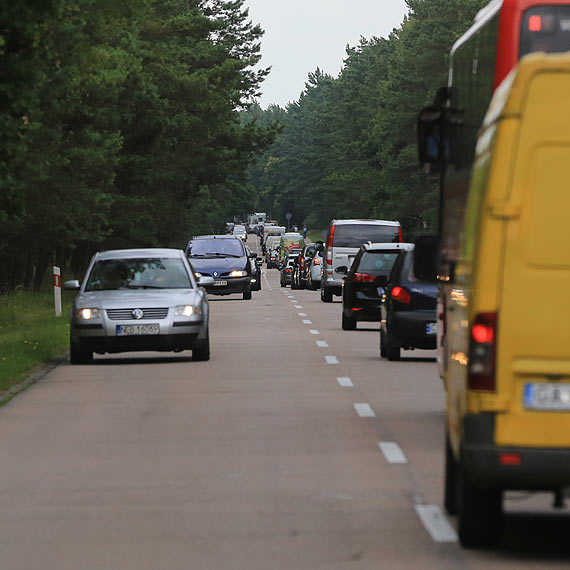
(187, 311)
(88, 314)
(237, 273)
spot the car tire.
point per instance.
(282, 284)
(247, 295)
(201, 350)
(79, 355)
(326, 296)
(310, 283)
(392, 352)
(450, 490)
(348, 324)
(479, 513)
(294, 284)
(383, 351)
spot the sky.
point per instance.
(301, 35)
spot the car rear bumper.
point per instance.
(409, 329)
(365, 311)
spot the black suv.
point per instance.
(225, 258)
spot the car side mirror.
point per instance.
(72, 285)
(426, 253)
(319, 246)
(205, 281)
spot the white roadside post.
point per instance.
(57, 290)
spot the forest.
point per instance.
(135, 123)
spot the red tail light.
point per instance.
(400, 234)
(330, 244)
(401, 295)
(482, 350)
(302, 262)
(316, 261)
(363, 278)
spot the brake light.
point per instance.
(363, 278)
(401, 295)
(302, 262)
(316, 261)
(330, 244)
(400, 234)
(535, 23)
(482, 350)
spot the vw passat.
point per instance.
(139, 299)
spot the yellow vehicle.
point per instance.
(508, 369)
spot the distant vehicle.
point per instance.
(363, 286)
(408, 315)
(272, 259)
(271, 232)
(344, 239)
(136, 300)
(314, 273)
(239, 231)
(224, 258)
(255, 262)
(290, 240)
(287, 268)
(302, 266)
(257, 218)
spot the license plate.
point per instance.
(220, 283)
(546, 396)
(431, 328)
(128, 330)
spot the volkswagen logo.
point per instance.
(215, 273)
(137, 314)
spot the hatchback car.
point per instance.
(363, 287)
(302, 267)
(136, 300)
(408, 315)
(224, 258)
(315, 269)
(287, 267)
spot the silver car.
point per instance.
(139, 299)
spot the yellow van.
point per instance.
(508, 377)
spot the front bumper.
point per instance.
(235, 285)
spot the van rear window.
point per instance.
(354, 235)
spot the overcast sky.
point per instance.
(301, 35)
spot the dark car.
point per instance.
(287, 267)
(408, 315)
(363, 286)
(302, 267)
(256, 262)
(224, 258)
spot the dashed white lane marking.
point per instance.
(267, 282)
(302, 314)
(322, 344)
(331, 359)
(307, 322)
(392, 452)
(313, 331)
(345, 382)
(436, 524)
(298, 306)
(364, 410)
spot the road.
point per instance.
(295, 448)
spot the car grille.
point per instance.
(127, 314)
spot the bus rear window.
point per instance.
(546, 28)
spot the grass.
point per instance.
(30, 334)
(315, 235)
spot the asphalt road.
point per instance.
(295, 448)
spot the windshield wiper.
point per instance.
(143, 287)
(217, 254)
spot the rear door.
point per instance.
(533, 349)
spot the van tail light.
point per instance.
(482, 352)
(363, 278)
(400, 234)
(330, 244)
(401, 295)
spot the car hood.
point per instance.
(219, 264)
(122, 298)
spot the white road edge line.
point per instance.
(331, 359)
(267, 282)
(298, 306)
(392, 452)
(302, 314)
(313, 331)
(322, 344)
(364, 410)
(307, 322)
(345, 382)
(436, 524)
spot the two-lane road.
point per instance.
(295, 447)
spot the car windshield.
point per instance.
(144, 273)
(354, 235)
(377, 262)
(216, 248)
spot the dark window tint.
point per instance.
(546, 28)
(377, 262)
(215, 248)
(354, 235)
(112, 274)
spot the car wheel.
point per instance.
(479, 513)
(294, 283)
(201, 350)
(282, 284)
(383, 352)
(79, 355)
(246, 295)
(310, 284)
(393, 352)
(326, 296)
(348, 324)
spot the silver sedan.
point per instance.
(139, 299)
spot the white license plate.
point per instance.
(431, 328)
(220, 283)
(547, 396)
(129, 330)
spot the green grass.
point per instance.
(30, 334)
(315, 235)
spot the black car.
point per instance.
(256, 262)
(363, 286)
(225, 258)
(287, 267)
(408, 315)
(302, 267)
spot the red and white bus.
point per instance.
(502, 33)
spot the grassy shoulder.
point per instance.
(315, 235)
(30, 334)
